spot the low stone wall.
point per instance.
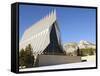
(46, 60)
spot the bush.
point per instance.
(87, 51)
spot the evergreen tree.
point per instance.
(22, 57)
(29, 58)
(78, 52)
(26, 57)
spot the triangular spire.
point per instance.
(54, 12)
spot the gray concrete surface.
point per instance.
(45, 60)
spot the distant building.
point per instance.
(44, 36)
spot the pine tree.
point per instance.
(78, 52)
(26, 57)
(22, 57)
(29, 58)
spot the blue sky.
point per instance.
(75, 23)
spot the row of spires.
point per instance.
(52, 13)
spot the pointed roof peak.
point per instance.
(54, 11)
